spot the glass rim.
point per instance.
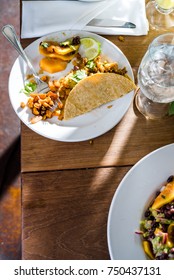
(160, 36)
(168, 34)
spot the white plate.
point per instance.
(81, 128)
(89, 0)
(132, 197)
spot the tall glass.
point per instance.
(160, 14)
(156, 78)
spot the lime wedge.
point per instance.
(165, 4)
(89, 48)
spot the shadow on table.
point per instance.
(10, 165)
(10, 209)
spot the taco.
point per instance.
(94, 91)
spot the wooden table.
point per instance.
(67, 188)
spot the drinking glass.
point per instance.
(156, 78)
(160, 14)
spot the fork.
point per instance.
(9, 32)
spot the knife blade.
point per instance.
(111, 23)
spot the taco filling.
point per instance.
(87, 86)
(95, 91)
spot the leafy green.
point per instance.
(72, 47)
(29, 87)
(45, 44)
(66, 43)
(90, 64)
(171, 109)
(79, 75)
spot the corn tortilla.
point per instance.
(95, 91)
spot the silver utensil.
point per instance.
(111, 23)
(9, 32)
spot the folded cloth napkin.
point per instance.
(40, 18)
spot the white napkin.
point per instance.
(40, 18)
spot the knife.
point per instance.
(111, 23)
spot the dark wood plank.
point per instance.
(64, 213)
(133, 138)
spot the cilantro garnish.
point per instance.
(90, 64)
(29, 87)
(79, 75)
(45, 44)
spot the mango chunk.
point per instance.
(171, 235)
(165, 196)
(52, 65)
(148, 249)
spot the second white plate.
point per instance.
(131, 199)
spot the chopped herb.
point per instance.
(66, 43)
(72, 47)
(76, 40)
(90, 64)
(171, 109)
(45, 44)
(29, 87)
(79, 75)
(163, 196)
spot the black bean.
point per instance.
(151, 234)
(164, 227)
(168, 206)
(76, 40)
(147, 213)
(163, 256)
(152, 218)
(167, 214)
(170, 179)
(155, 225)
